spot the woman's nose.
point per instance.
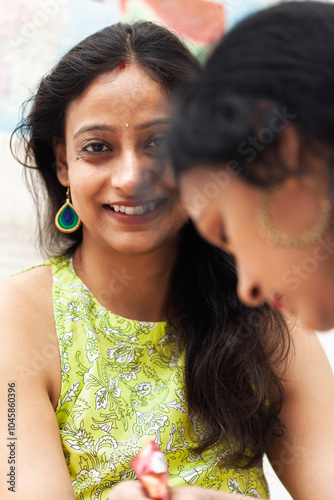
(128, 174)
(249, 290)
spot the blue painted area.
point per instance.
(9, 117)
(85, 17)
(237, 10)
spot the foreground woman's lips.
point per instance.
(278, 301)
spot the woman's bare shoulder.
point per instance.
(26, 303)
(25, 289)
(28, 334)
(30, 366)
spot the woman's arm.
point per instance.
(130, 490)
(303, 457)
(32, 462)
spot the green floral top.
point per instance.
(122, 385)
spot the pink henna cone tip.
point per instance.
(151, 468)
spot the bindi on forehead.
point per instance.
(121, 65)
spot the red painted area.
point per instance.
(121, 65)
(201, 21)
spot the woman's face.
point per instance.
(113, 132)
(226, 212)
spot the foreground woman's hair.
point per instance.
(273, 69)
(231, 351)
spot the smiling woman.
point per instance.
(132, 329)
(97, 142)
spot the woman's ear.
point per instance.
(289, 148)
(59, 149)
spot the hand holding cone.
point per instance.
(151, 468)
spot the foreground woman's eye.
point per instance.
(224, 237)
(95, 147)
(224, 240)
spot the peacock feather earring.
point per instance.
(67, 220)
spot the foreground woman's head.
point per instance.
(253, 145)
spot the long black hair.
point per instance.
(230, 351)
(273, 69)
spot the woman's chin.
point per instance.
(320, 321)
(133, 247)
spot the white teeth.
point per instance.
(138, 210)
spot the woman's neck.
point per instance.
(130, 285)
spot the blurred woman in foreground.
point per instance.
(253, 146)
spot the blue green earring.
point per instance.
(67, 220)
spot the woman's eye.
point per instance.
(223, 237)
(96, 147)
(156, 143)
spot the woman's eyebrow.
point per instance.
(113, 129)
(151, 123)
(91, 128)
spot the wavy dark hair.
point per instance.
(231, 351)
(274, 68)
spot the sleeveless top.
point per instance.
(122, 385)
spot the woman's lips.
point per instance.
(136, 213)
(278, 301)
